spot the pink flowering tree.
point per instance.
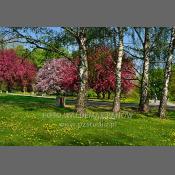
(58, 77)
(26, 74)
(105, 77)
(102, 72)
(15, 70)
(8, 68)
(128, 75)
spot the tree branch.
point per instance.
(37, 43)
(139, 36)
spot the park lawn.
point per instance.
(36, 121)
(123, 100)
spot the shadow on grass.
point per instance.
(99, 109)
(29, 103)
(171, 114)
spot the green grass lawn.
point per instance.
(28, 121)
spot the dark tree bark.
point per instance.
(103, 94)
(116, 104)
(9, 87)
(144, 101)
(98, 95)
(109, 95)
(60, 101)
(168, 71)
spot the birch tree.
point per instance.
(83, 73)
(168, 70)
(86, 37)
(149, 46)
(79, 33)
(116, 103)
(144, 101)
(53, 41)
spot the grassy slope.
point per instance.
(36, 121)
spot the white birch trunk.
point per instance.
(168, 70)
(83, 75)
(144, 101)
(116, 104)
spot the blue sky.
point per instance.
(127, 38)
(127, 41)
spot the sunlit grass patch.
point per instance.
(37, 121)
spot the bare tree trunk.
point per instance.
(33, 88)
(116, 104)
(9, 87)
(24, 89)
(168, 70)
(103, 94)
(109, 95)
(144, 101)
(98, 95)
(60, 101)
(83, 75)
(0, 87)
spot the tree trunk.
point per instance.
(0, 87)
(9, 88)
(168, 70)
(98, 95)
(32, 89)
(24, 89)
(103, 95)
(109, 95)
(116, 104)
(83, 75)
(144, 101)
(60, 101)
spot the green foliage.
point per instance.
(23, 52)
(3, 87)
(39, 57)
(91, 93)
(156, 82)
(172, 85)
(160, 39)
(132, 96)
(58, 55)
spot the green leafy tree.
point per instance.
(156, 82)
(38, 57)
(172, 85)
(21, 51)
